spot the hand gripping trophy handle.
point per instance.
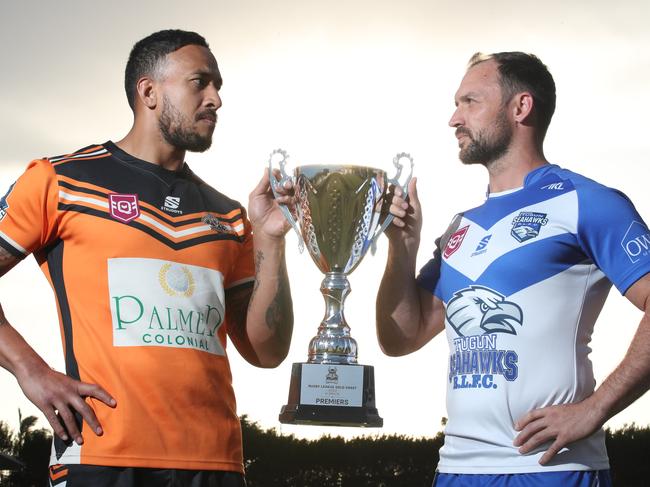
(395, 181)
(276, 183)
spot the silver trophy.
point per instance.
(337, 220)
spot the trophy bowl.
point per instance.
(337, 218)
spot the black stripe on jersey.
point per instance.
(139, 226)
(165, 219)
(55, 266)
(129, 178)
(10, 248)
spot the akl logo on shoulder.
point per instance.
(636, 241)
(555, 186)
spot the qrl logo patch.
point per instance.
(455, 242)
(124, 207)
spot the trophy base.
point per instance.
(332, 395)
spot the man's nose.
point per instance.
(456, 118)
(212, 98)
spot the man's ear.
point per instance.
(522, 107)
(147, 93)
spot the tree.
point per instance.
(628, 450)
(32, 447)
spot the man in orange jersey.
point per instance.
(151, 269)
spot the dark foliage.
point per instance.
(32, 447)
(383, 461)
(273, 460)
(629, 455)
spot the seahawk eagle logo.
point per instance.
(478, 310)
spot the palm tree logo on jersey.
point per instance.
(478, 310)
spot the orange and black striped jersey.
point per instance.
(139, 259)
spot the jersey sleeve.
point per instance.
(243, 269)
(28, 212)
(613, 235)
(430, 273)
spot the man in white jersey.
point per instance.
(517, 284)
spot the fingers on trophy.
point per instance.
(337, 218)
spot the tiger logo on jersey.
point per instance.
(217, 225)
(478, 310)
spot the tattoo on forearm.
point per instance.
(280, 310)
(237, 304)
(259, 257)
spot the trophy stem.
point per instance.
(333, 343)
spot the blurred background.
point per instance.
(341, 82)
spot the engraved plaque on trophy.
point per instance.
(337, 219)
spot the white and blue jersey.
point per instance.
(523, 278)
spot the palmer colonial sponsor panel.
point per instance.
(166, 304)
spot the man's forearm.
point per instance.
(15, 353)
(270, 311)
(630, 380)
(398, 305)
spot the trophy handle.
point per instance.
(396, 181)
(275, 183)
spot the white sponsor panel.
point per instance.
(165, 304)
(331, 385)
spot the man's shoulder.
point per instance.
(212, 196)
(555, 177)
(88, 152)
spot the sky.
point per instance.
(331, 82)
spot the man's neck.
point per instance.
(152, 148)
(510, 171)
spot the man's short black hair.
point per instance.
(519, 71)
(148, 53)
